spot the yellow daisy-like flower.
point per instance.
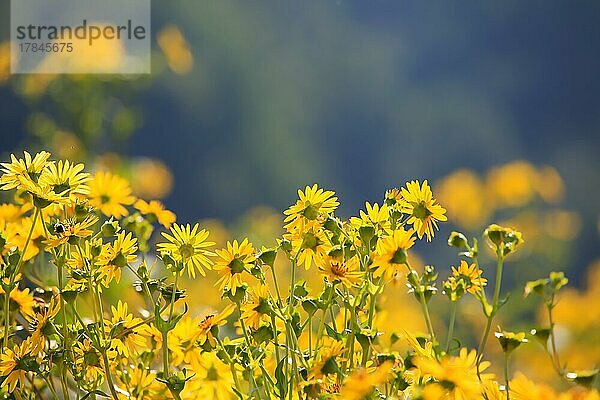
(21, 300)
(309, 244)
(115, 256)
(188, 245)
(65, 178)
(213, 380)
(338, 270)
(313, 204)
(22, 170)
(88, 361)
(234, 264)
(362, 382)
(257, 307)
(155, 211)
(110, 194)
(326, 359)
(418, 202)
(64, 231)
(139, 383)
(457, 376)
(375, 215)
(211, 320)
(15, 363)
(391, 253)
(470, 276)
(40, 322)
(127, 333)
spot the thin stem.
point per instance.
(13, 276)
(555, 358)
(425, 308)
(506, 376)
(490, 318)
(451, 325)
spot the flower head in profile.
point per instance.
(422, 209)
(188, 245)
(17, 362)
(110, 194)
(362, 382)
(503, 239)
(88, 361)
(127, 333)
(257, 307)
(313, 204)
(155, 211)
(468, 277)
(234, 264)
(211, 321)
(455, 377)
(375, 216)
(26, 169)
(116, 256)
(391, 253)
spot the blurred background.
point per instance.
(495, 103)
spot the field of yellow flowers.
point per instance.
(315, 317)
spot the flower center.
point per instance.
(236, 265)
(212, 374)
(311, 212)
(421, 211)
(186, 250)
(339, 269)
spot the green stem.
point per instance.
(490, 318)
(451, 325)
(506, 376)
(13, 276)
(425, 309)
(555, 358)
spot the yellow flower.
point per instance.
(257, 307)
(211, 320)
(110, 193)
(418, 202)
(361, 383)
(189, 246)
(21, 170)
(391, 253)
(346, 272)
(65, 178)
(156, 211)
(64, 231)
(470, 275)
(213, 380)
(376, 216)
(456, 375)
(88, 361)
(326, 359)
(115, 256)
(40, 321)
(127, 333)
(234, 264)
(503, 239)
(15, 363)
(139, 383)
(309, 244)
(313, 204)
(21, 300)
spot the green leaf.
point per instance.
(280, 379)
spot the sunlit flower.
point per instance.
(309, 244)
(336, 269)
(234, 264)
(21, 170)
(391, 253)
(117, 255)
(127, 332)
(15, 363)
(376, 216)
(155, 211)
(110, 194)
(189, 246)
(212, 320)
(21, 300)
(313, 204)
(65, 230)
(214, 379)
(257, 308)
(423, 210)
(361, 382)
(88, 361)
(470, 275)
(65, 178)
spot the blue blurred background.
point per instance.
(358, 96)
